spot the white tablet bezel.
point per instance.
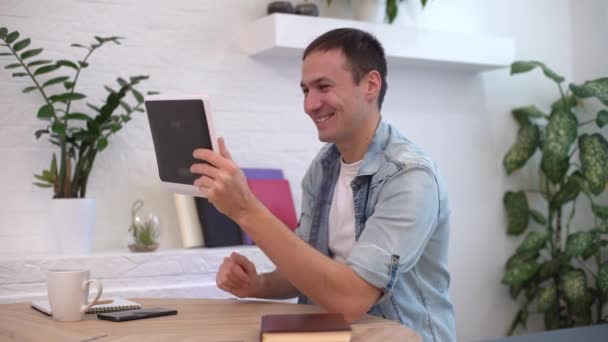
(191, 190)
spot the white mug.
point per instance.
(68, 292)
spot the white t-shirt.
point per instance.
(342, 213)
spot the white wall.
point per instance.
(190, 46)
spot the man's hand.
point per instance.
(222, 182)
(238, 276)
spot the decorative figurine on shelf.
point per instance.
(144, 234)
(307, 8)
(279, 7)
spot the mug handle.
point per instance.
(99, 288)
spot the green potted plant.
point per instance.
(560, 270)
(377, 10)
(79, 132)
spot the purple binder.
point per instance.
(251, 173)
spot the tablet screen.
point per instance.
(178, 127)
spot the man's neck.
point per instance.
(354, 150)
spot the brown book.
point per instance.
(305, 327)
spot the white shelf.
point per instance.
(288, 35)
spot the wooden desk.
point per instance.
(197, 320)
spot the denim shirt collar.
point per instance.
(373, 156)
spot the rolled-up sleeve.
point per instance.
(397, 232)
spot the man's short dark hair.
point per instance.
(363, 52)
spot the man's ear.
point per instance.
(373, 85)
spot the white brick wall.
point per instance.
(189, 46)
(185, 46)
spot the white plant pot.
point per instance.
(369, 10)
(73, 222)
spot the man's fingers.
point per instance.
(240, 274)
(247, 265)
(223, 281)
(205, 169)
(211, 157)
(223, 148)
(237, 280)
(203, 182)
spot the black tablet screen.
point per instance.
(178, 128)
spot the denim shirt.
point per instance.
(402, 229)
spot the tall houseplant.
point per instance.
(79, 136)
(560, 270)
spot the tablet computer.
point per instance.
(179, 125)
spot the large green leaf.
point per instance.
(600, 211)
(520, 258)
(20, 45)
(579, 242)
(64, 62)
(13, 66)
(520, 273)
(550, 268)
(29, 89)
(65, 97)
(594, 157)
(533, 242)
(3, 32)
(30, 53)
(602, 280)
(11, 37)
(561, 133)
(567, 192)
(58, 127)
(602, 118)
(516, 204)
(138, 96)
(46, 112)
(523, 148)
(574, 285)
(582, 181)
(525, 66)
(392, 8)
(524, 114)
(78, 116)
(579, 311)
(38, 62)
(596, 88)
(547, 298)
(564, 104)
(45, 69)
(55, 81)
(102, 143)
(538, 217)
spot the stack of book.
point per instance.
(305, 327)
(202, 225)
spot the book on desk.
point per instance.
(305, 327)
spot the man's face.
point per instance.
(331, 98)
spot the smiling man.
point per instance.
(373, 234)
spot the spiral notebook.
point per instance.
(117, 304)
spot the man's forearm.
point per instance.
(330, 284)
(275, 286)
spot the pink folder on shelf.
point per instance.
(275, 194)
